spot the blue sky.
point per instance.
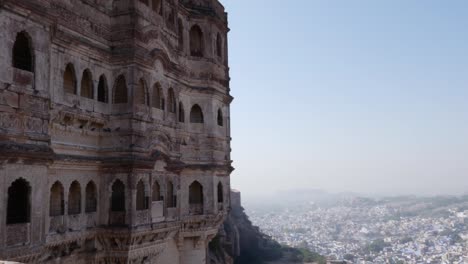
(365, 96)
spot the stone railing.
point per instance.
(91, 219)
(17, 234)
(74, 222)
(157, 211)
(196, 209)
(142, 217)
(117, 218)
(57, 224)
(220, 206)
(23, 78)
(171, 214)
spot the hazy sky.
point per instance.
(364, 95)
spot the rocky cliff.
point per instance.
(240, 242)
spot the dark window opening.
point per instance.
(69, 79)
(220, 118)
(74, 199)
(171, 102)
(91, 198)
(22, 53)
(170, 197)
(19, 202)
(141, 199)
(102, 89)
(219, 47)
(220, 193)
(157, 96)
(196, 114)
(156, 194)
(57, 203)
(196, 41)
(87, 85)
(181, 113)
(120, 90)
(118, 197)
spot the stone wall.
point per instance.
(96, 107)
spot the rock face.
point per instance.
(114, 130)
(239, 242)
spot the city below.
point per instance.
(368, 230)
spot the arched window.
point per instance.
(91, 198)
(141, 201)
(196, 198)
(118, 197)
(171, 102)
(220, 193)
(220, 118)
(23, 58)
(156, 5)
(181, 113)
(170, 197)
(74, 199)
(196, 114)
(19, 202)
(219, 45)
(141, 93)
(69, 79)
(180, 33)
(102, 94)
(196, 41)
(87, 85)
(56, 206)
(157, 96)
(120, 90)
(156, 194)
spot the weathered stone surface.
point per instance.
(97, 104)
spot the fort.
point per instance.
(114, 130)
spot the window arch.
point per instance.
(23, 57)
(91, 198)
(87, 84)
(171, 102)
(196, 198)
(170, 197)
(56, 206)
(180, 33)
(220, 118)
(158, 101)
(219, 45)
(141, 93)
(118, 197)
(196, 114)
(196, 41)
(102, 93)
(156, 193)
(220, 193)
(120, 90)
(141, 201)
(69, 79)
(19, 202)
(181, 113)
(74, 199)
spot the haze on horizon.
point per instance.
(363, 96)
